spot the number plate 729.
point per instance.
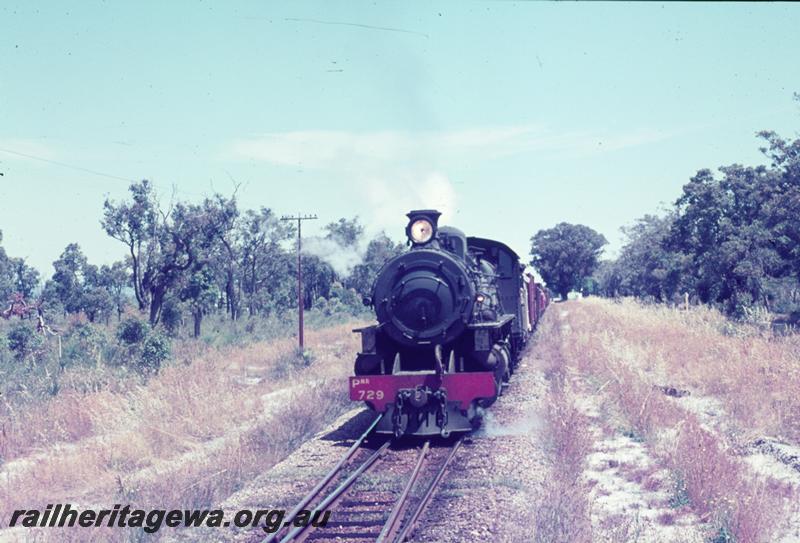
(370, 394)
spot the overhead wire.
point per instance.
(70, 166)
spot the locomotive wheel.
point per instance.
(502, 368)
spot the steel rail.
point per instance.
(341, 489)
(392, 523)
(327, 479)
(408, 529)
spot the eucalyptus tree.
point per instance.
(115, 279)
(646, 267)
(16, 277)
(566, 255)
(720, 226)
(201, 294)
(162, 243)
(222, 219)
(782, 209)
(265, 261)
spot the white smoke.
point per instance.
(530, 424)
(389, 201)
(340, 257)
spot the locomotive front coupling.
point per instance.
(419, 403)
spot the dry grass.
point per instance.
(720, 488)
(629, 350)
(562, 513)
(755, 374)
(186, 438)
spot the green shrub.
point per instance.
(142, 347)
(132, 330)
(85, 342)
(23, 340)
(155, 350)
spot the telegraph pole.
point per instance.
(299, 218)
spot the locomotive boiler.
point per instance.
(453, 315)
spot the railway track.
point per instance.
(374, 493)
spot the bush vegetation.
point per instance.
(730, 240)
(196, 276)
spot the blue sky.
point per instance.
(511, 117)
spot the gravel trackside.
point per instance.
(487, 494)
(490, 492)
(288, 481)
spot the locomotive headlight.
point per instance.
(421, 231)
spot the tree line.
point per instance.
(730, 240)
(186, 260)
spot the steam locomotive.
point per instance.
(454, 313)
